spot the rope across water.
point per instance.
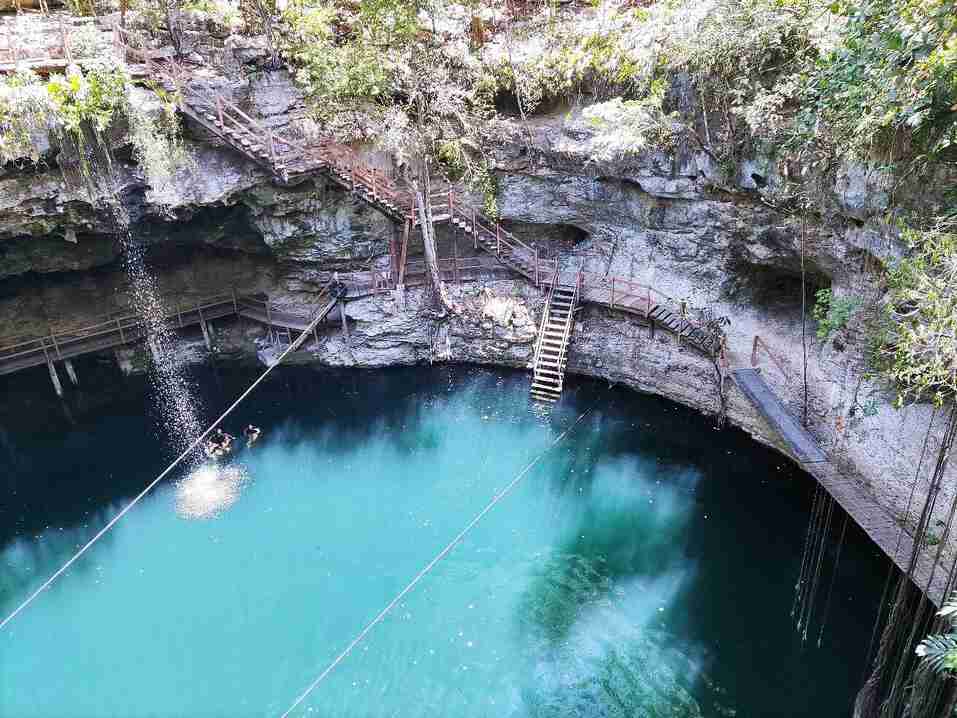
(430, 565)
(179, 459)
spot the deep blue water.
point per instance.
(645, 567)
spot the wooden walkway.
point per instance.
(103, 333)
(115, 330)
(876, 521)
(121, 328)
(803, 446)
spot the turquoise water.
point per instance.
(644, 567)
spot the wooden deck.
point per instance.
(17, 353)
(104, 333)
(802, 445)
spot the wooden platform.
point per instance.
(878, 523)
(802, 445)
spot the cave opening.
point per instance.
(506, 103)
(551, 239)
(777, 289)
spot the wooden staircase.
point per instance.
(551, 352)
(684, 328)
(510, 251)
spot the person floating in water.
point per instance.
(220, 444)
(251, 434)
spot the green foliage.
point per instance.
(454, 155)
(158, 148)
(30, 108)
(594, 63)
(347, 59)
(224, 14)
(832, 313)
(629, 126)
(92, 97)
(918, 344)
(938, 653)
(24, 110)
(83, 104)
(597, 64)
(891, 81)
(82, 7)
(745, 58)
(487, 183)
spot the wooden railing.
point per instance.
(759, 344)
(130, 323)
(490, 234)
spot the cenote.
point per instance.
(645, 567)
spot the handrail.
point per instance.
(759, 343)
(545, 312)
(569, 320)
(88, 331)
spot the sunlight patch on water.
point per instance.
(209, 489)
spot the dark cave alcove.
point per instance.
(774, 288)
(550, 239)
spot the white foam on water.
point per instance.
(209, 489)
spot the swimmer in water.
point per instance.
(219, 445)
(251, 433)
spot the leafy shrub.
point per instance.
(917, 347)
(31, 108)
(938, 653)
(455, 154)
(832, 313)
(345, 60)
(158, 148)
(630, 126)
(891, 81)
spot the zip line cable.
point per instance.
(429, 566)
(149, 487)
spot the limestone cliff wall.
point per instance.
(657, 218)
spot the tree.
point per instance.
(261, 18)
